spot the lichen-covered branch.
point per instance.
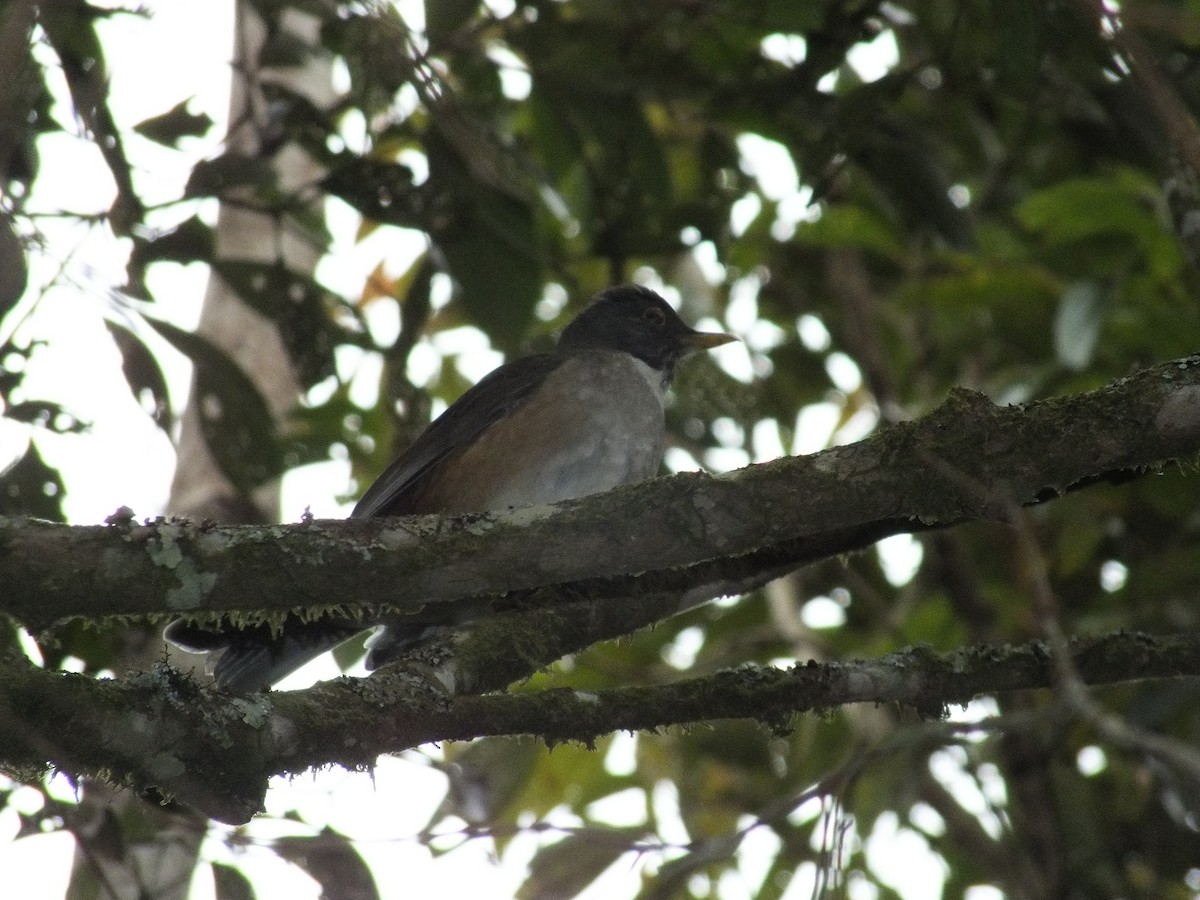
(687, 538)
(966, 460)
(162, 734)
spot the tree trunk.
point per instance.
(161, 866)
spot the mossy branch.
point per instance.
(162, 734)
(688, 538)
(967, 460)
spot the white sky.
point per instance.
(183, 52)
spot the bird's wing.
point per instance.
(496, 395)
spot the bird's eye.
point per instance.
(654, 316)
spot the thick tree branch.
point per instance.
(162, 733)
(967, 460)
(693, 537)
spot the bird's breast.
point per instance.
(594, 424)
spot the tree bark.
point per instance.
(692, 533)
(200, 489)
(165, 736)
(694, 537)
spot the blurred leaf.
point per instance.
(622, 190)
(13, 371)
(1081, 207)
(167, 128)
(284, 48)
(1021, 30)
(81, 640)
(190, 241)
(845, 225)
(672, 878)
(498, 286)
(968, 304)
(911, 170)
(25, 99)
(375, 46)
(800, 378)
(490, 244)
(1114, 216)
(234, 418)
(70, 26)
(444, 17)
(14, 274)
(1078, 323)
(934, 623)
(333, 862)
(144, 376)
(558, 143)
(313, 430)
(231, 884)
(29, 487)
(379, 189)
(45, 414)
(571, 771)
(214, 177)
(486, 777)
(565, 868)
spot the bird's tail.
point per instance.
(244, 660)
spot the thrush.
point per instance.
(585, 418)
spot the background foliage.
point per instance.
(885, 200)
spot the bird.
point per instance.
(583, 419)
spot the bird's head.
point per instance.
(638, 321)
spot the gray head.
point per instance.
(638, 321)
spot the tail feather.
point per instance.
(252, 659)
(245, 660)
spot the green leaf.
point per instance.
(213, 177)
(27, 87)
(144, 375)
(70, 27)
(846, 225)
(333, 862)
(627, 197)
(231, 884)
(1021, 33)
(565, 868)
(284, 48)
(489, 241)
(490, 255)
(1116, 206)
(177, 122)
(190, 241)
(234, 417)
(443, 18)
(569, 769)
(45, 414)
(907, 166)
(14, 274)
(379, 189)
(486, 777)
(29, 487)
(557, 142)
